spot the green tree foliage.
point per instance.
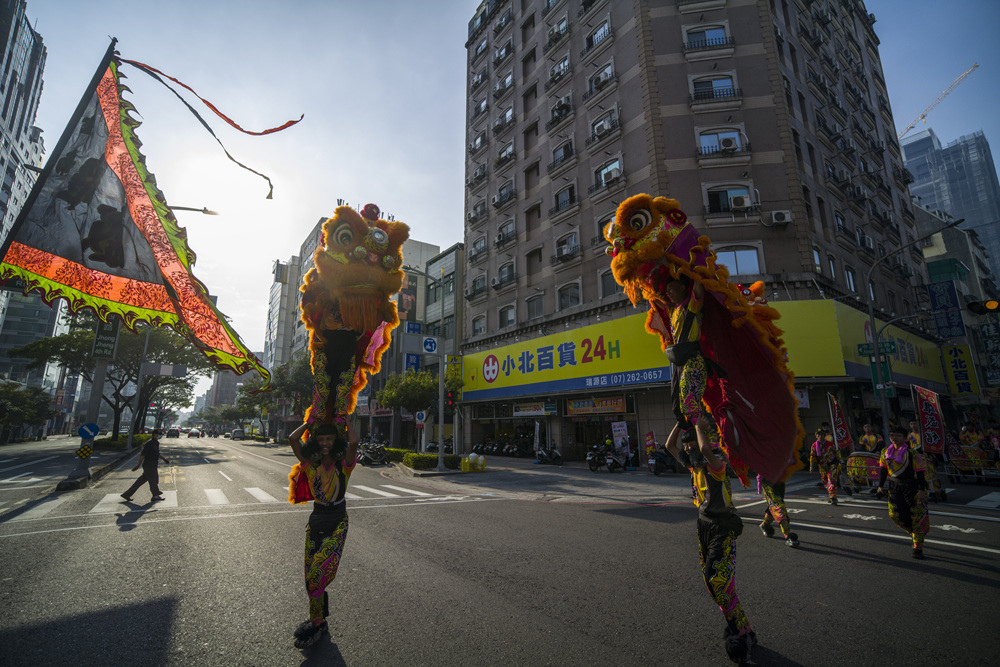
(22, 406)
(415, 391)
(72, 351)
(293, 383)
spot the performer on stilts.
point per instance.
(904, 469)
(718, 528)
(825, 455)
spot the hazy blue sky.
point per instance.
(382, 87)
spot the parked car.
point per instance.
(173, 433)
(226, 434)
(237, 434)
(194, 433)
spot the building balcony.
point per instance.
(477, 254)
(564, 209)
(704, 49)
(610, 128)
(558, 76)
(477, 179)
(717, 99)
(586, 6)
(724, 156)
(503, 238)
(504, 159)
(565, 254)
(593, 46)
(506, 280)
(501, 89)
(560, 115)
(600, 85)
(501, 57)
(555, 36)
(504, 21)
(611, 183)
(477, 215)
(475, 292)
(479, 111)
(502, 125)
(567, 159)
(504, 198)
(475, 147)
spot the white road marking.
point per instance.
(216, 497)
(206, 460)
(948, 526)
(41, 509)
(353, 496)
(11, 479)
(30, 463)
(410, 491)
(894, 536)
(989, 500)
(261, 495)
(377, 492)
(112, 502)
(226, 476)
(862, 517)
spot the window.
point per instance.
(506, 116)
(871, 290)
(479, 108)
(833, 267)
(565, 198)
(604, 124)
(816, 262)
(609, 285)
(841, 222)
(448, 328)
(562, 153)
(535, 307)
(507, 316)
(479, 283)
(608, 173)
(481, 48)
(449, 283)
(478, 142)
(600, 78)
(706, 38)
(506, 272)
(433, 292)
(714, 89)
(567, 244)
(478, 325)
(569, 296)
(560, 68)
(603, 222)
(599, 34)
(740, 260)
(479, 245)
(506, 229)
(891, 298)
(714, 141)
(506, 154)
(849, 278)
(729, 198)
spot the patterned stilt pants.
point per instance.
(687, 387)
(776, 512)
(717, 540)
(830, 474)
(323, 549)
(908, 514)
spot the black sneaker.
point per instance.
(833, 501)
(918, 554)
(767, 529)
(310, 635)
(792, 540)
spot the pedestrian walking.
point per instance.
(907, 488)
(326, 462)
(718, 528)
(149, 459)
(824, 455)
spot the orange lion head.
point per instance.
(641, 232)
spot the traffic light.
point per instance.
(449, 400)
(984, 307)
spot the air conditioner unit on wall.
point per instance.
(728, 144)
(601, 128)
(562, 251)
(739, 203)
(781, 217)
(494, 282)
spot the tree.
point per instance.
(292, 383)
(415, 391)
(72, 352)
(20, 405)
(254, 403)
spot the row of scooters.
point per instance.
(520, 448)
(606, 456)
(372, 453)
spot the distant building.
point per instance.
(959, 179)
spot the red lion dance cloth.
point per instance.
(347, 309)
(752, 399)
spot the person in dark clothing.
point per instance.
(148, 459)
(904, 468)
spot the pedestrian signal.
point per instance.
(449, 400)
(984, 307)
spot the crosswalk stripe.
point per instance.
(377, 492)
(410, 491)
(353, 496)
(29, 463)
(989, 500)
(261, 495)
(216, 497)
(41, 509)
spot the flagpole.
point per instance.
(63, 140)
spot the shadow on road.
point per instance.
(765, 656)
(89, 639)
(324, 653)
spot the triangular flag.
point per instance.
(97, 232)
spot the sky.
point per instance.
(381, 84)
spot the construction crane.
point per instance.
(943, 95)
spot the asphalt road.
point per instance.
(522, 565)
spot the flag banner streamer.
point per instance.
(930, 418)
(97, 232)
(841, 432)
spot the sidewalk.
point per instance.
(68, 444)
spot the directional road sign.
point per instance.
(884, 346)
(430, 345)
(89, 431)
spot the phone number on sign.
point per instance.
(637, 376)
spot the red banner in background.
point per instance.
(650, 444)
(841, 434)
(931, 422)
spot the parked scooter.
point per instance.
(551, 456)
(372, 454)
(595, 458)
(615, 460)
(660, 461)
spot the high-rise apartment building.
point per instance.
(959, 179)
(768, 120)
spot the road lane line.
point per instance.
(226, 476)
(377, 492)
(261, 495)
(30, 463)
(990, 500)
(353, 496)
(894, 536)
(11, 479)
(41, 509)
(410, 491)
(216, 497)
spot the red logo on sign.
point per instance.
(491, 368)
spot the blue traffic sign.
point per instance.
(89, 431)
(421, 416)
(430, 345)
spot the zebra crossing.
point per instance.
(112, 503)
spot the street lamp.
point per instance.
(876, 333)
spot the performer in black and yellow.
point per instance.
(776, 511)
(718, 528)
(904, 469)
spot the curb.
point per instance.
(73, 483)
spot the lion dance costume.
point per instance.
(347, 309)
(728, 361)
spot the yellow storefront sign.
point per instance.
(961, 372)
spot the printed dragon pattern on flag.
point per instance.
(98, 233)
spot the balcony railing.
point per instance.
(555, 37)
(596, 87)
(503, 238)
(501, 160)
(477, 254)
(609, 129)
(504, 280)
(719, 151)
(708, 44)
(504, 21)
(500, 57)
(567, 155)
(474, 291)
(557, 76)
(502, 124)
(500, 89)
(730, 93)
(475, 147)
(605, 184)
(504, 197)
(565, 253)
(563, 205)
(559, 114)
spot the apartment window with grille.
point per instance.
(479, 283)
(565, 198)
(604, 124)
(568, 244)
(722, 140)
(506, 229)
(569, 296)
(705, 38)
(608, 173)
(563, 152)
(478, 325)
(714, 89)
(506, 316)
(728, 199)
(598, 35)
(535, 307)
(506, 272)
(740, 260)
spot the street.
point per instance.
(521, 565)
